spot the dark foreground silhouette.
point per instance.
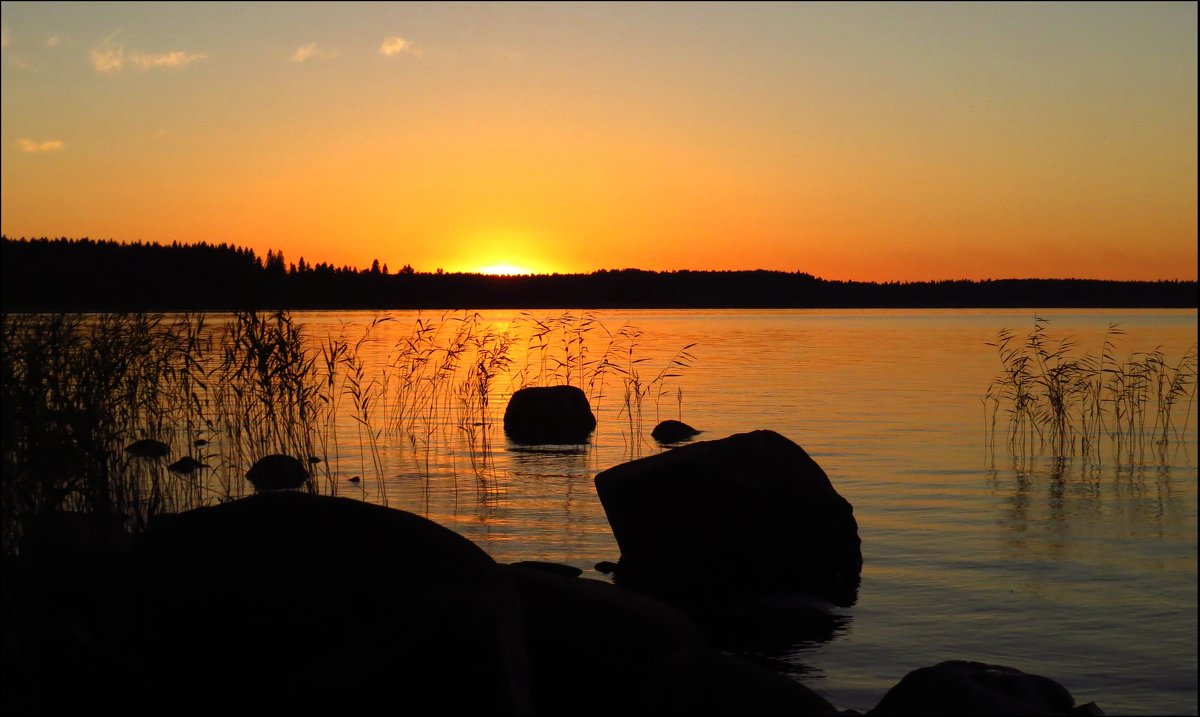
(87, 275)
(289, 602)
(294, 603)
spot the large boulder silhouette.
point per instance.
(958, 687)
(744, 515)
(67, 611)
(597, 649)
(288, 602)
(710, 682)
(549, 414)
(592, 645)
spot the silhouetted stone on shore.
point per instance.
(709, 682)
(592, 645)
(768, 622)
(549, 414)
(288, 602)
(744, 515)
(566, 571)
(294, 603)
(958, 687)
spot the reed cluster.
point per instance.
(1073, 405)
(220, 393)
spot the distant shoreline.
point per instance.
(65, 275)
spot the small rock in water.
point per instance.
(549, 415)
(606, 566)
(670, 431)
(147, 448)
(354, 479)
(186, 465)
(277, 472)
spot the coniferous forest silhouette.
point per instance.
(103, 275)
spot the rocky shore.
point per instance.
(294, 603)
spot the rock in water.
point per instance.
(671, 431)
(549, 414)
(958, 687)
(277, 472)
(186, 466)
(747, 514)
(147, 448)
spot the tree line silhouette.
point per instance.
(90, 275)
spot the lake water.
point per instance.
(1084, 572)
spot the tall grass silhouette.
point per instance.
(223, 392)
(1066, 405)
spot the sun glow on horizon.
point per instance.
(504, 270)
(502, 249)
(548, 138)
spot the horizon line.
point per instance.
(408, 269)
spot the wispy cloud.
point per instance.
(313, 51)
(28, 145)
(396, 45)
(166, 59)
(3, 37)
(53, 41)
(110, 58)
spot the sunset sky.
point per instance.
(896, 141)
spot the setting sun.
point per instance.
(503, 248)
(504, 270)
(845, 141)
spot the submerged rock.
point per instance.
(744, 515)
(958, 687)
(549, 414)
(671, 431)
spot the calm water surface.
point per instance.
(1085, 575)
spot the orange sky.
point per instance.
(852, 141)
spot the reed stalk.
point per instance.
(77, 390)
(1069, 405)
